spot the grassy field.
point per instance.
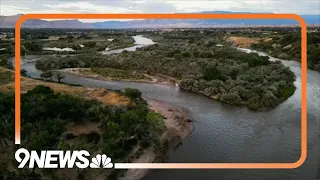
(120, 74)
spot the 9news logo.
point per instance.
(61, 159)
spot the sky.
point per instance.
(13, 7)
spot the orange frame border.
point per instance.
(302, 23)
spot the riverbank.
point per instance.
(169, 81)
(88, 73)
(160, 79)
(178, 126)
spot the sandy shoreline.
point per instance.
(177, 120)
(178, 126)
(86, 72)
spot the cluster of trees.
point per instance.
(287, 45)
(45, 114)
(49, 75)
(31, 47)
(29, 33)
(260, 88)
(90, 59)
(96, 43)
(7, 47)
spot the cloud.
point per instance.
(154, 7)
(9, 7)
(89, 7)
(275, 6)
(196, 6)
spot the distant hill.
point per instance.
(9, 22)
(310, 20)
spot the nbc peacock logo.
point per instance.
(101, 161)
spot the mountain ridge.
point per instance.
(9, 22)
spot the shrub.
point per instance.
(232, 98)
(132, 93)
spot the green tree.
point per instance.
(132, 93)
(46, 75)
(232, 98)
(33, 46)
(211, 73)
(156, 126)
(59, 76)
(90, 44)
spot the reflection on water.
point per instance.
(58, 49)
(140, 41)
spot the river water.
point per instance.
(227, 133)
(139, 42)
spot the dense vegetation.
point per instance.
(32, 41)
(194, 59)
(46, 116)
(287, 45)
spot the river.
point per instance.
(227, 133)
